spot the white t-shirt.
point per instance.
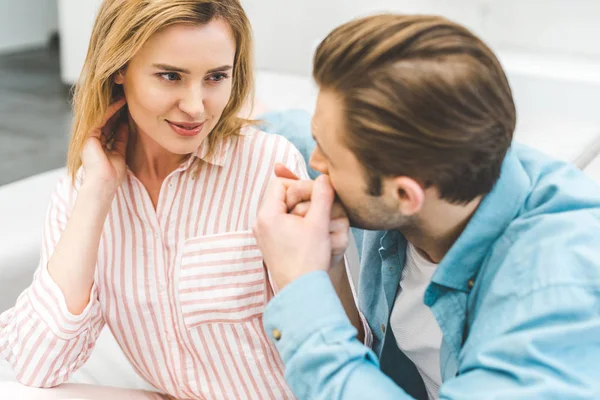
(415, 328)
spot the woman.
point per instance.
(151, 232)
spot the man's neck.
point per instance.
(438, 226)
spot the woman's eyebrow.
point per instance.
(171, 68)
(222, 68)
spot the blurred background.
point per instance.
(550, 49)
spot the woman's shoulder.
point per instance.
(256, 139)
(269, 149)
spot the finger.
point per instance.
(107, 131)
(321, 201)
(339, 242)
(111, 111)
(301, 209)
(274, 201)
(338, 211)
(339, 225)
(281, 171)
(299, 192)
(288, 183)
(120, 143)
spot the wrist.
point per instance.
(102, 190)
(94, 199)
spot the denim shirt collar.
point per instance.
(496, 211)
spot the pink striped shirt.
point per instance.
(181, 287)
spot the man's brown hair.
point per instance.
(422, 97)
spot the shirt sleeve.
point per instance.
(549, 349)
(39, 337)
(318, 345)
(297, 164)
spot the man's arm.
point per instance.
(318, 344)
(550, 353)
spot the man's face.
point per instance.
(332, 157)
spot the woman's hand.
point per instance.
(104, 151)
(298, 203)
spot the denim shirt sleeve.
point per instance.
(548, 347)
(318, 345)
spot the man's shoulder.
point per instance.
(547, 250)
(555, 238)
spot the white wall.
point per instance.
(287, 32)
(26, 23)
(76, 21)
(568, 27)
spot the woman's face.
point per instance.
(179, 83)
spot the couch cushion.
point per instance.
(24, 205)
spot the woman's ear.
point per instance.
(119, 78)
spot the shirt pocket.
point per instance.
(222, 279)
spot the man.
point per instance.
(483, 265)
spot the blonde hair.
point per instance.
(122, 27)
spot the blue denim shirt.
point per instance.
(517, 298)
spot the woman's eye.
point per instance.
(170, 76)
(218, 77)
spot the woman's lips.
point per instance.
(186, 128)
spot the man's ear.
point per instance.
(410, 195)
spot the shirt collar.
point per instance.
(496, 211)
(219, 156)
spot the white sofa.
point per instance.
(23, 205)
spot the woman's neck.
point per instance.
(146, 158)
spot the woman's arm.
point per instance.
(341, 282)
(73, 264)
(56, 321)
(40, 337)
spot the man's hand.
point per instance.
(292, 245)
(298, 201)
(298, 197)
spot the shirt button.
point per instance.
(391, 269)
(383, 328)
(276, 334)
(470, 284)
